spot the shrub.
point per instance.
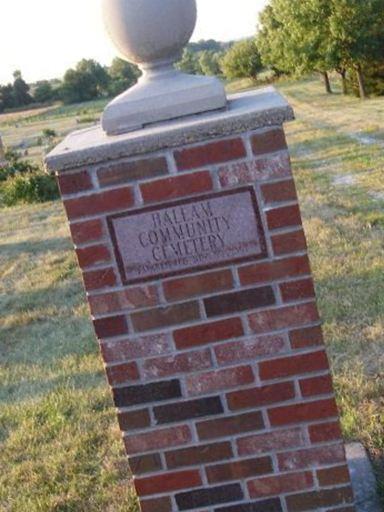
(36, 187)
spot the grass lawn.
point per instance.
(60, 447)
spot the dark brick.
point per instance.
(112, 200)
(211, 496)
(178, 186)
(239, 301)
(284, 217)
(200, 454)
(121, 373)
(156, 505)
(134, 420)
(319, 499)
(279, 192)
(257, 397)
(316, 386)
(306, 337)
(85, 232)
(145, 463)
(154, 392)
(165, 316)
(202, 284)
(268, 142)
(93, 255)
(125, 172)
(211, 153)
(208, 333)
(111, 326)
(75, 182)
(97, 279)
(297, 290)
(289, 242)
(230, 425)
(239, 470)
(273, 505)
(333, 476)
(183, 411)
(325, 432)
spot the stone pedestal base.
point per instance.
(162, 95)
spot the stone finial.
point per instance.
(152, 34)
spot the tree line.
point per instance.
(346, 36)
(89, 80)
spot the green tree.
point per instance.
(242, 60)
(7, 99)
(43, 92)
(88, 81)
(189, 62)
(20, 90)
(123, 75)
(357, 35)
(209, 62)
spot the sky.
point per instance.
(43, 38)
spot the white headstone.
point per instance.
(152, 34)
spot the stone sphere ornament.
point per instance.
(152, 34)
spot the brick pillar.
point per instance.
(195, 265)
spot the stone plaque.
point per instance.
(188, 235)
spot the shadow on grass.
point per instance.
(36, 247)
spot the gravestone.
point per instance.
(189, 236)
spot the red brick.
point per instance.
(208, 333)
(134, 420)
(142, 464)
(249, 349)
(317, 500)
(241, 173)
(297, 290)
(132, 298)
(111, 326)
(306, 337)
(87, 231)
(325, 432)
(271, 441)
(122, 373)
(257, 397)
(276, 485)
(93, 255)
(156, 505)
(165, 316)
(201, 454)
(97, 279)
(296, 413)
(132, 171)
(157, 440)
(208, 154)
(186, 362)
(146, 346)
(316, 386)
(239, 470)
(104, 202)
(279, 192)
(300, 459)
(229, 426)
(293, 365)
(281, 318)
(74, 182)
(178, 186)
(289, 243)
(203, 383)
(202, 284)
(333, 476)
(167, 482)
(268, 142)
(284, 217)
(274, 270)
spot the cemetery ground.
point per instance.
(60, 444)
